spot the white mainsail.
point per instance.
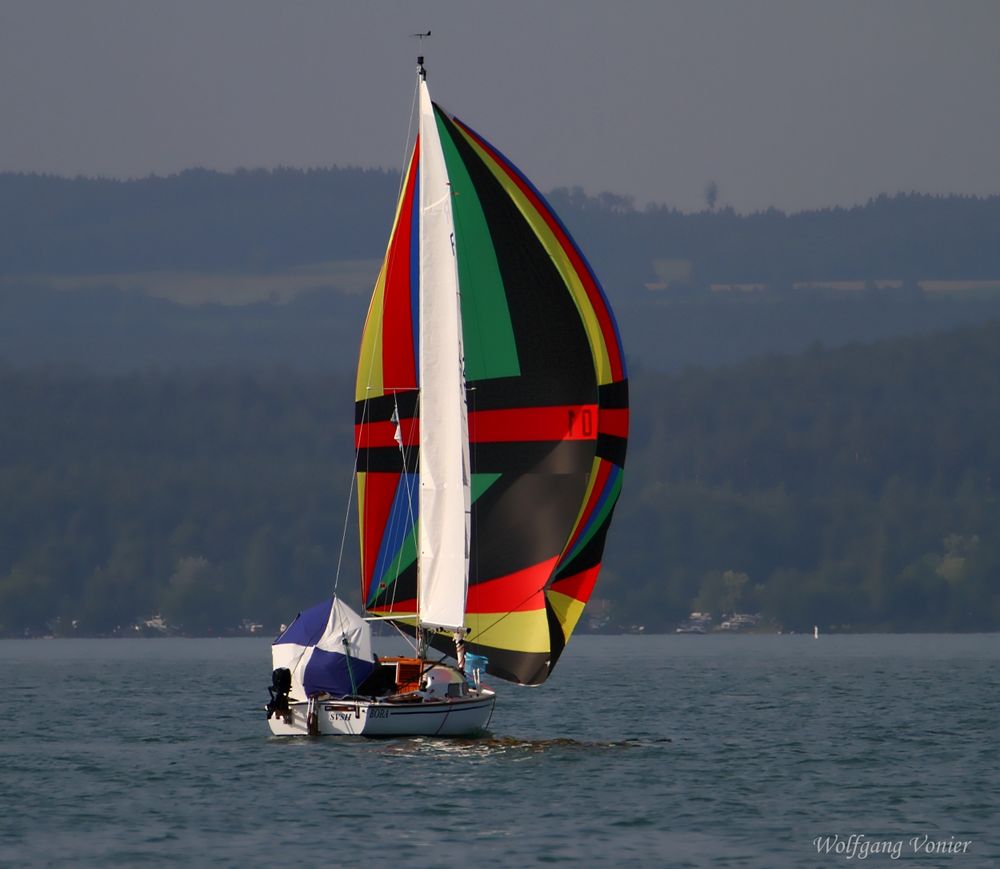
(443, 550)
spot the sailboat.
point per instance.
(491, 418)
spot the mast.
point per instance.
(444, 495)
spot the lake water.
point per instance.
(764, 751)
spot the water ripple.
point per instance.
(730, 752)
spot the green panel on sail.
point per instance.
(490, 350)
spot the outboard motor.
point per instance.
(281, 685)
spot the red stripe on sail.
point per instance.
(372, 435)
(576, 422)
(579, 586)
(520, 591)
(398, 354)
(613, 421)
(380, 490)
(567, 422)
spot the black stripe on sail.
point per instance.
(505, 457)
(381, 408)
(552, 345)
(542, 389)
(612, 449)
(537, 457)
(614, 395)
(387, 460)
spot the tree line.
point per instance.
(853, 488)
(260, 220)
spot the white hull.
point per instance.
(464, 716)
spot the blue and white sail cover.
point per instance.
(328, 648)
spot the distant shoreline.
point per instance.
(669, 633)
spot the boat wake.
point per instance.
(486, 746)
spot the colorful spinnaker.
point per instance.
(536, 396)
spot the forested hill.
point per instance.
(906, 237)
(175, 364)
(270, 219)
(254, 269)
(851, 487)
(855, 487)
(195, 220)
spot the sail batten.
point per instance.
(546, 421)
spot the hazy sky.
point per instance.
(793, 104)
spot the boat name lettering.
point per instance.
(375, 712)
(340, 716)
